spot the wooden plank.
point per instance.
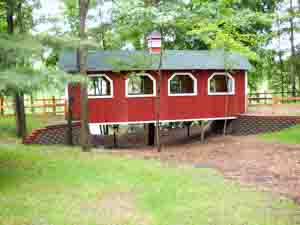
(277, 99)
(53, 105)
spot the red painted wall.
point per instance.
(123, 109)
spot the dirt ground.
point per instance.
(271, 110)
(268, 166)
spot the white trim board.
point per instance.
(111, 87)
(195, 86)
(127, 95)
(164, 121)
(220, 93)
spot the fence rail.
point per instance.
(38, 106)
(266, 98)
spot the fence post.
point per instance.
(31, 104)
(44, 106)
(66, 107)
(265, 93)
(2, 106)
(54, 105)
(274, 102)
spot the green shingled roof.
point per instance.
(139, 60)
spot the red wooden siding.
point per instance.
(122, 109)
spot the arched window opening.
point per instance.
(140, 85)
(221, 83)
(182, 85)
(100, 86)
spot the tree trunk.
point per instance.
(281, 65)
(157, 105)
(19, 97)
(293, 49)
(20, 115)
(70, 119)
(10, 16)
(84, 130)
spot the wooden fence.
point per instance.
(266, 98)
(39, 106)
(279, 102)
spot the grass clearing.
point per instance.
(8, 125)
(64, 186)
(287, 136)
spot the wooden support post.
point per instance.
(101, 130)
(225, 128)
(1, 106)
(106, 129)
(151, 134)
(115, 128)
(202, 132)
(188, 126)
(54, 105)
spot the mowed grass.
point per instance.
(64, 186)
(288, 136)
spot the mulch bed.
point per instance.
(268, 166)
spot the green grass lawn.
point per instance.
(62, 186)
(8, 125)
(288, 136)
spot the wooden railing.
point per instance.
(277, 100)
(285, 102)
(40, 106)
(266, 98)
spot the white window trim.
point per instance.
(143, 95)
(221, 93)
(111, 86)
(195, 86)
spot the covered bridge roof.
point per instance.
(142, 60)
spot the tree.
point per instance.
(18, 96)
(286, 25)
(293, 48)
(19, 50)
(82, 55)
(16, 11)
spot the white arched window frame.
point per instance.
(111, 87)
(232, 92)
(140, 95)
(195, 85)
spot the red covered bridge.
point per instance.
(195, 85)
